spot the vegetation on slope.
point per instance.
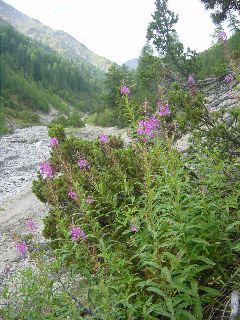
(58, 40)
(34, 77)
(213, 62)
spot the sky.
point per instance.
(117, 29)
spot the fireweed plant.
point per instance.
(148, 233)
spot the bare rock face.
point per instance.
(219, 94)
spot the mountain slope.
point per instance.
(35, 79)
(132, 64)
(57, 40)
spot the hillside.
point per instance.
(58, 40)
(213, 60)
(132, 64)
(35, 79)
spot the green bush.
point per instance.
(41, 294)
(161, 239)
(111, 118)
(73, 120)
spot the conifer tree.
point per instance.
(222, 8)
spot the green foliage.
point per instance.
(35, 78)
(41, 294)
(159, 229)
(214, 129)
(149, 75)
(113, 114)
(161, 30)
(165, 39)
(56, 131)
(213, 62)
(222, 8)
(73, 120)
(183, 250)
(115, 75)
(3, 128)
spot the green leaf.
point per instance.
(232, 225)
(167, 275)
(207, 260)
(158, 291)
(184, 315)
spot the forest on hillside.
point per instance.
(35, 78)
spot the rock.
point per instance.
(219, 94)
(20, 158)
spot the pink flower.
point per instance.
(32, 225)
(21, 247)
(76, 233)
(148, 127)
(134, 228)
(103, 138)
(53, 142)
(124, 90)
(164, 110)
(222, 36)
(46, 170)
(72, 194)
(191, 81)
(90, 199)
(83, 164)
(229, 78)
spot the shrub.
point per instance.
(157, 239)
(74, 120)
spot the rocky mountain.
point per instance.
(132, 64)
(58, 40)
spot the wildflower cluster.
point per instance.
(54, 142)
(103, 138)
(89, 200)
(46, 170)
(229, 78)
(21, 247)
(163, 109)
(191, 81)
(124, 90)
(77, 233)
(148, 127)
(222, 36)
(72, 194)
(134, 228)
(83, 164)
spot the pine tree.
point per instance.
(222, 8)
(233, 22)
(161, 30)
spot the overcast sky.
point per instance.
(117, 29)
